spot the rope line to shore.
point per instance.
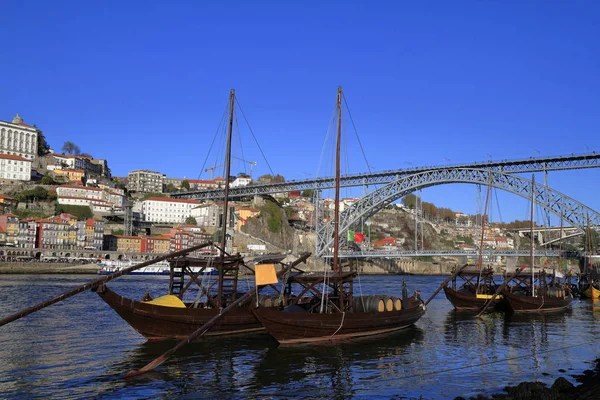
(490, 362)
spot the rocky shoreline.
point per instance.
(561, 389)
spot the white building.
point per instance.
(241, 181)
(18, 138)
(164, 209)
(15, 167)
(98, 200)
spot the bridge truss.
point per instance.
(551, 200)
(452, 253)
(545, 164)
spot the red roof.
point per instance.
(385, 241)
(80, 187)
(168, 199)
(13, 157)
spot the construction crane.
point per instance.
(211, 169)
(252, 163)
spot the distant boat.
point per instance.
(537, 292)
(478, 287)
(160, 268)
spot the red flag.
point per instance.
(359, 237)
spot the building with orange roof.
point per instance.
(53, 233)
(73, 175)
(19, 139)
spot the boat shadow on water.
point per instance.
(338, 361)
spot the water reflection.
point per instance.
(80, 348)
(337, 368)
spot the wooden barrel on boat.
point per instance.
(368, 304)
(276, 300)
(397, 303)
(264, 300)
(552, 292)
(388, 301)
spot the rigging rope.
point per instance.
(255, 140)
(356, 132)
(214, 138)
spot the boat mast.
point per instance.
(226, 196)
(336, 232)
(531, 234)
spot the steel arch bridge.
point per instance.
(551, 200)
(540, 164)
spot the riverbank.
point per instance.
(561, 389)
(47, 268)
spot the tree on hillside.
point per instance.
(267, 178)
(191, 221)
(70, 148)
(185, 184)
(410, 200)
(170, 188)
(278, 179)
(308, 193)
(86, 155)
(43, 147)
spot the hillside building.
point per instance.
(18, 138)
(145, 181)
(167, 210)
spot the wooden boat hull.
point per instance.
(591, 293)
(163, 323)
(290, 328)
(522, 303)
(469, 301)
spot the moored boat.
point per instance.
(476, 290)
(169, 317)
(157, 321)
(333, 313)
(537, 291)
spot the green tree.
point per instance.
(148, 195)
(70, 148)
(191, 221)
(410, 201)
(185, 184)
(278, 179)
(308, 193)
(117, 232)
(47, 180)
(43, 147)
(170, 188)
(81, 212)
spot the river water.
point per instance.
(80, 348)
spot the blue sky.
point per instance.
(145, 84)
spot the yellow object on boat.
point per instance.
(488, 296)
(265, 274)
(167, 301)
(591, 293)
